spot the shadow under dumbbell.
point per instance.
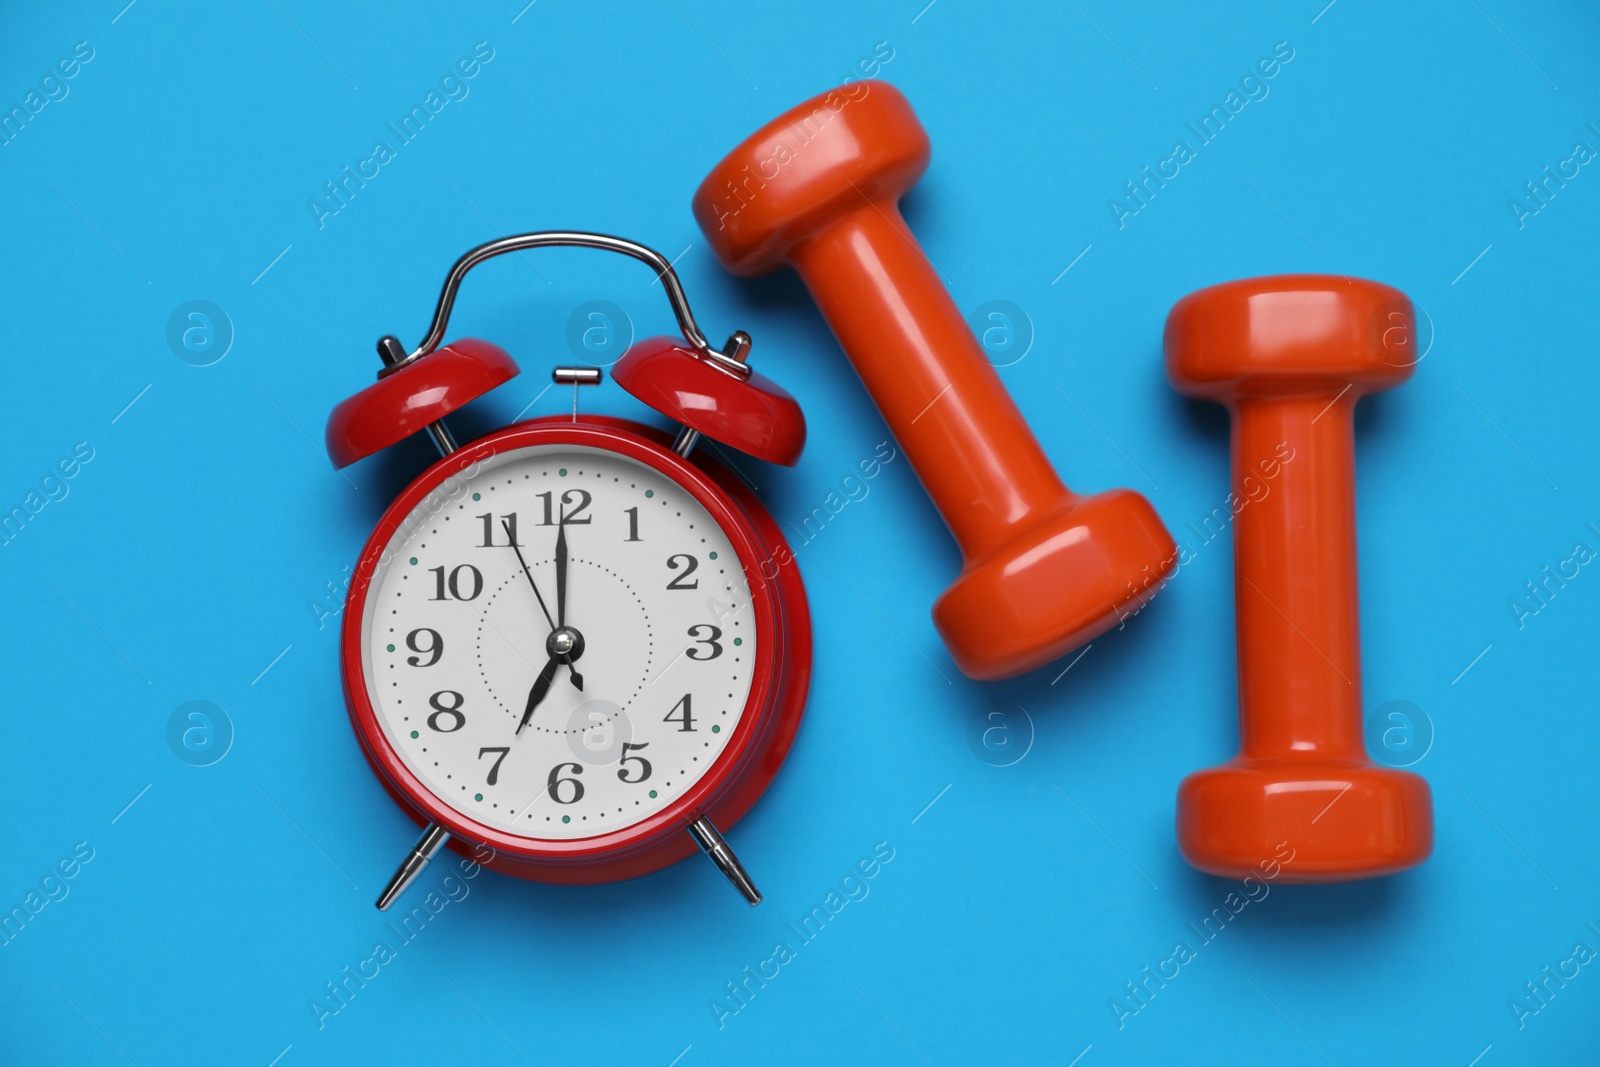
(1375, 421)
(1206, 422)
(1272, 909)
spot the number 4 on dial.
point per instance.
(688, 714)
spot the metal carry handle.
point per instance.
(730, 360)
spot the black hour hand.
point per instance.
(541, 686)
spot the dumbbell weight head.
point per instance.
(1290, 334)
(1045, 570)
(823, 158)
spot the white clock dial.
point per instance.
(454, 641)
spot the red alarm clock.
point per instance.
(576, 647)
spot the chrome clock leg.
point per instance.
(711, 842)
(685, 442)
(441, 437)
(737, 350)
(393, 355)
(428, 845)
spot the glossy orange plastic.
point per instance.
(1045, 570)
(1290, 356)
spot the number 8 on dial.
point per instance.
(575, 646)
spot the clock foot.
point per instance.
(711, 842)
(428, 845)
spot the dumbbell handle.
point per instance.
(1295, 579)
(928, 375)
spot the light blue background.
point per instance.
(190, 551)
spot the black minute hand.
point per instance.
(518, 550)
(561, 583)
(561, 572)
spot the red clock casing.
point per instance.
(781, 673)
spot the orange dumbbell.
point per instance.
(1045, 570)
(1290, 356)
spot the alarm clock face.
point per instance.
(454, 642)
